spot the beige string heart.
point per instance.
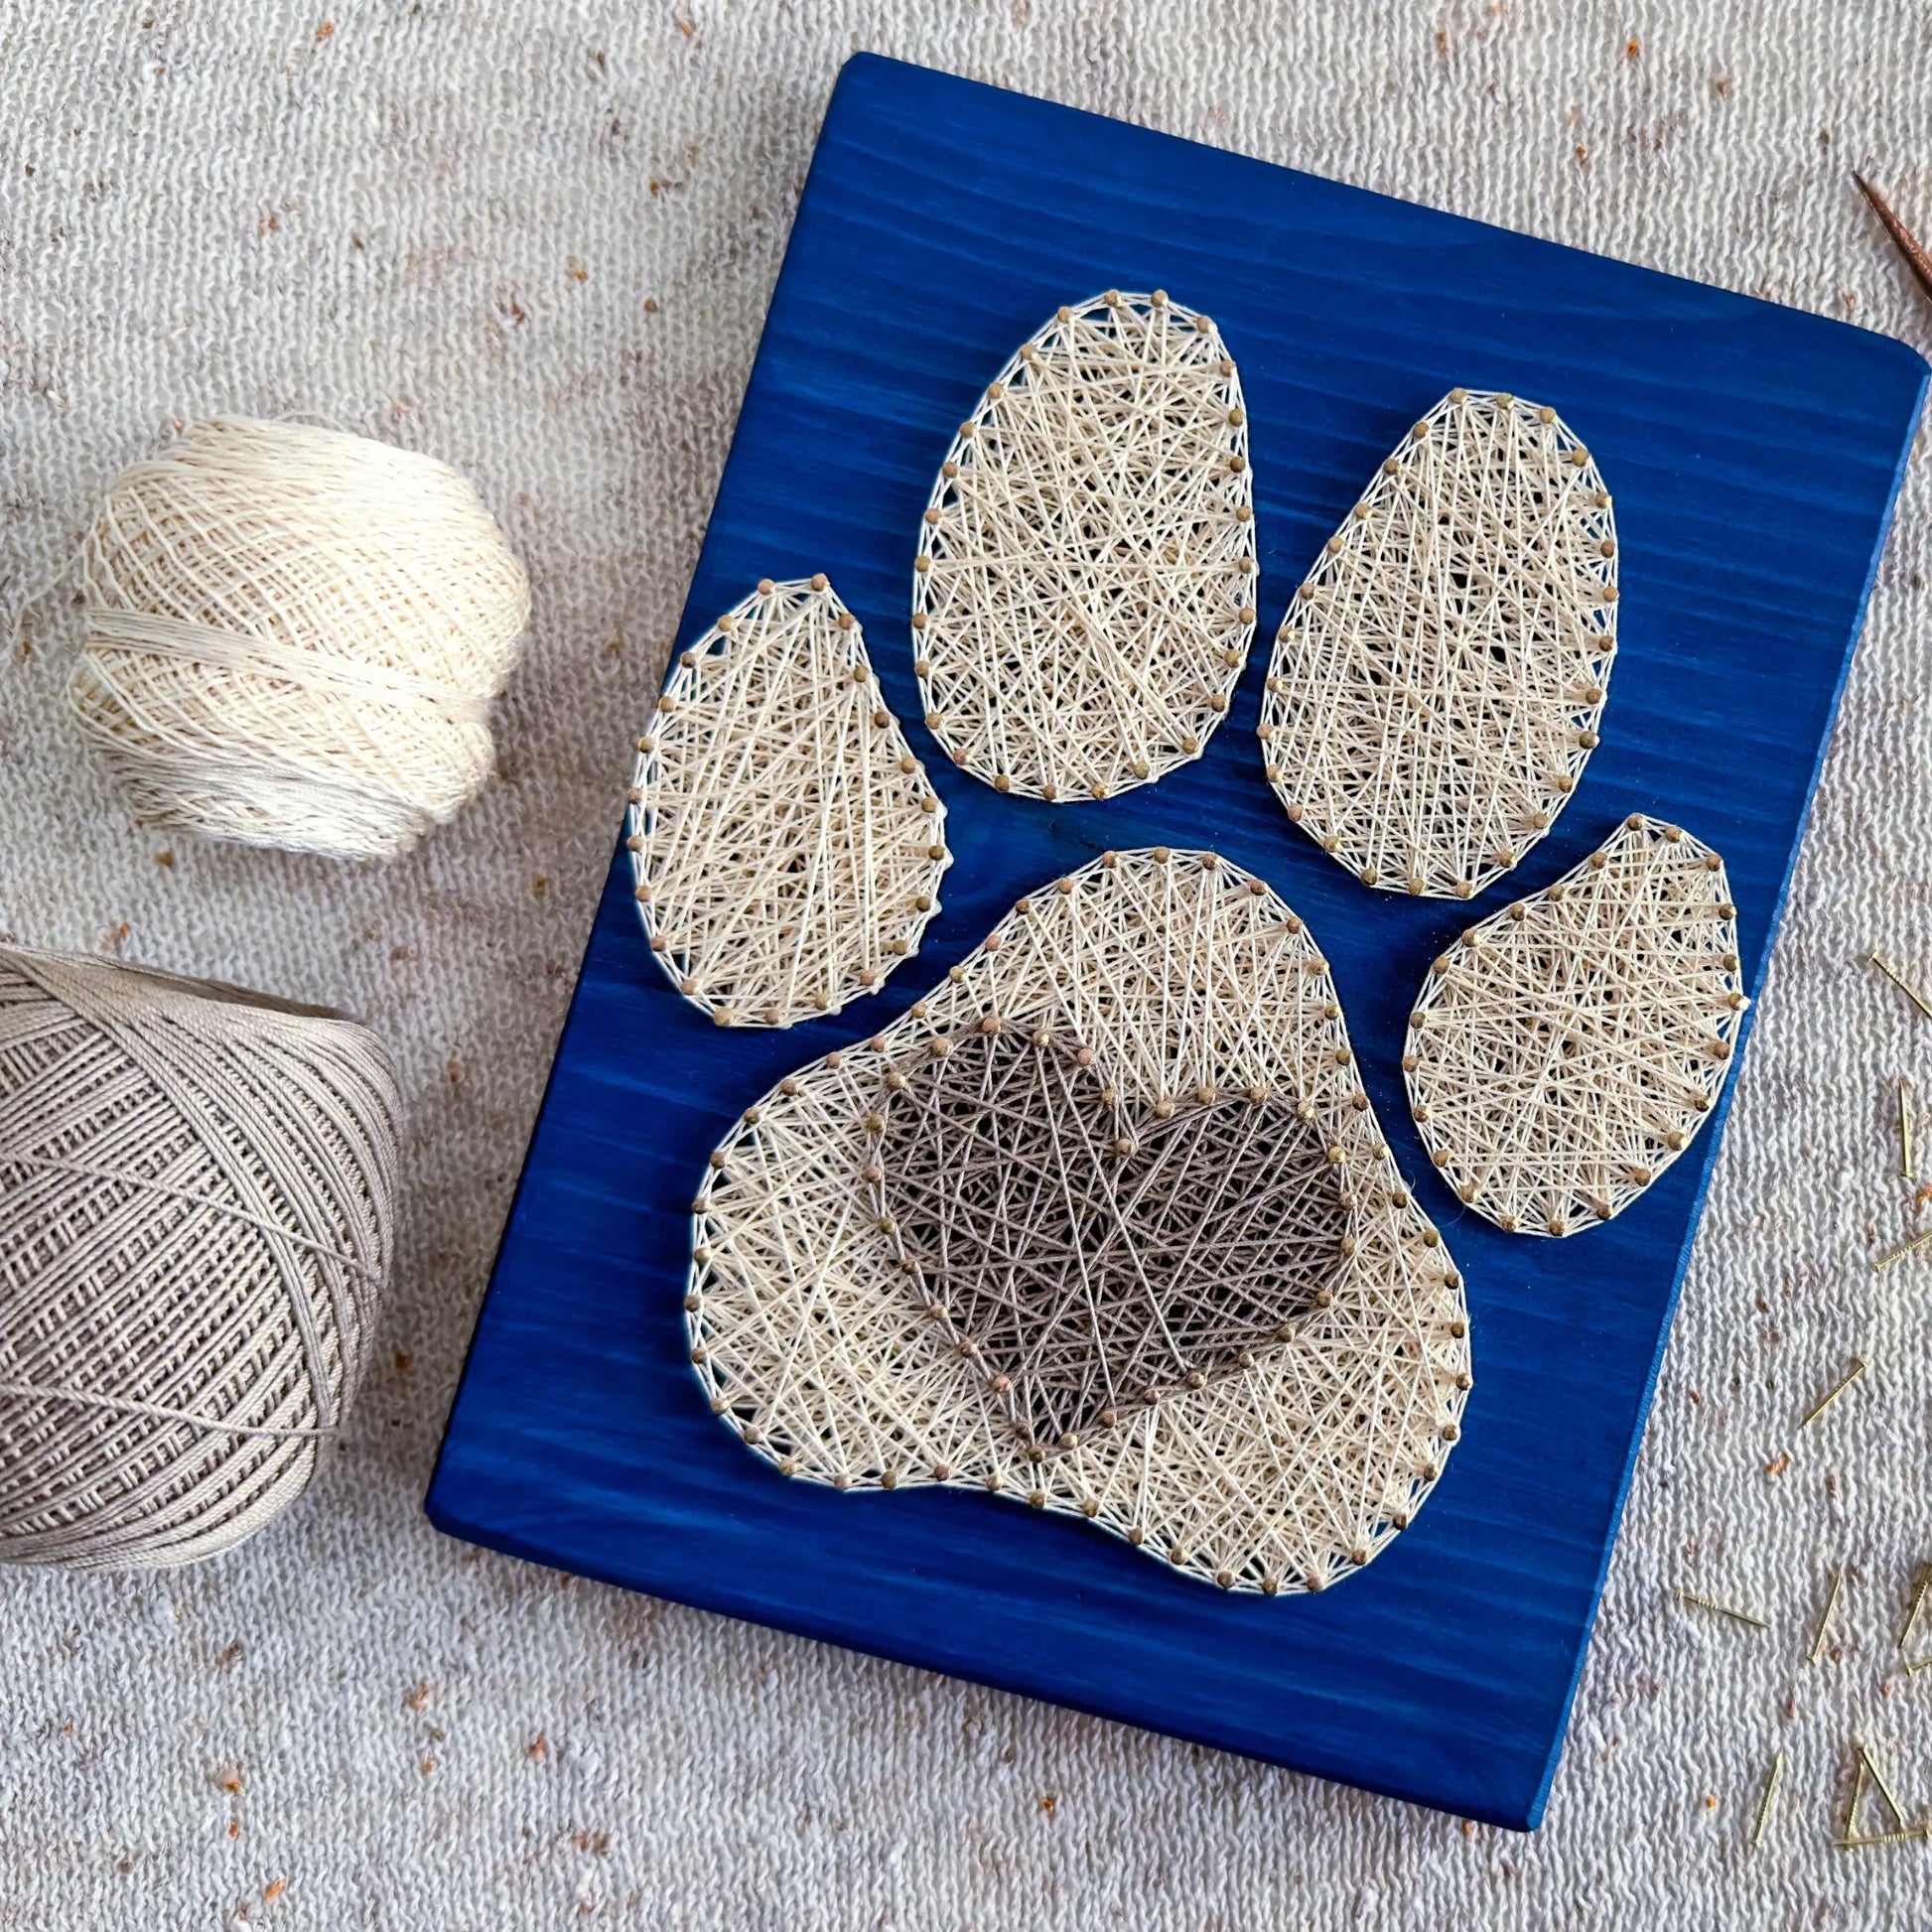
(1087, 1253)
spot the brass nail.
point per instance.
(1722, 1609)
(1917, 1241)
(1837, 1389)
(1764, 1803)
(1824, 1620)
(1919, 1588)
(1884, 1790)
(1899, 979)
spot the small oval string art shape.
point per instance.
(1083, 595)
(1438, 683)
(1567, 1050)
(787, 845)
(1104, 1224)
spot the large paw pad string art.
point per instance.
(786, 846)
(1084, 590)
(1438, 683)
(1562, 1053)
(1105, 1224)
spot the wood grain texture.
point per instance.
(1754, 453)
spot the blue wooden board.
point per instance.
(1754, 454)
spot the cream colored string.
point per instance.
(294, 637)
(1568, 1048)
(1195, 989)
(1083, 595)
(787, 848)
(291, 664)
(1438, 681)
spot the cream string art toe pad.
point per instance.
(786, 846)
(1563, 1052)
(1438, 683)
(1083, 595)
(1105, 1224)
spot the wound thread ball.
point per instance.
(293, 636)
(196, 1215)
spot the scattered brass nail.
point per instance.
(1924, 1663)
(1904, 984)
(1825, 1618)
(1764, 1803)
(1863, 1766)
(1837, 1389)
(1884, 1790)
(1722, 1609)
(1916, 258)
(1917, 1241)
(1920, 1588)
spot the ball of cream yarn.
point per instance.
(196, 1191)
(293, 637)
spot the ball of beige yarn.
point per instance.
(293, 637)
(196, 1191)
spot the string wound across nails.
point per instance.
(1106, 1224)
(1083, 596)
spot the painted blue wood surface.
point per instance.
(1754, 454)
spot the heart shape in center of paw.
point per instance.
(1092, 1255)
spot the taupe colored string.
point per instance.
(1084, 594)
(1088, 1256)
(1438, 683)
(1566, 1050)
(1268, 1463)
(123, 1405)
(786, 846)
(195, 1208)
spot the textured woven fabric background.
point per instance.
(537, 240)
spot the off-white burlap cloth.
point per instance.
(538, 240)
